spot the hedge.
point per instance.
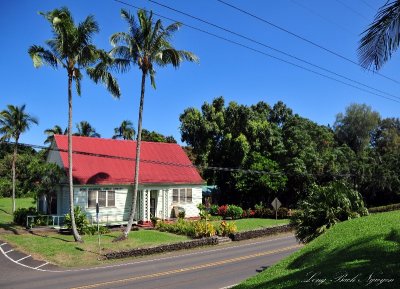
(260, 232)
(163, 248)
(387, 208)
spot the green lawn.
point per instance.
(6, 208)
(350, 255)
(62, 250)
(254, 223)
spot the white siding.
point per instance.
(190, 208)
(54, 156)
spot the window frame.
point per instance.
(97, 192)
(180, 196)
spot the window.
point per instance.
(183, 195)
(105, 198)
(188, 195)
(175, 196)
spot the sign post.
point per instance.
(276, 204)
(98, 228)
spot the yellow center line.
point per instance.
(217, 263)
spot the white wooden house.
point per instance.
(103, 172)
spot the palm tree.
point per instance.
(71, 48)
(124, 131)
(52, 131)
(382, 37)
(85, 129)
(146, 44)
(13, 122)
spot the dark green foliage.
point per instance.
(392, 207)
(92, 230)
(154, 136)
(181, 215)
(20, 215)
(81, 221)
(234, 212)
(324, 207)
(282, 155)
(214, 210)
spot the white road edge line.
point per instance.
(147, 261)
(3, 244)
(23, 265)
(230, 286)
(23, 258)
(9, 251)
(44, 264)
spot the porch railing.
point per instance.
(45, 220)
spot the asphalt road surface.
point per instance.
(212, 267)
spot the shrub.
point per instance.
(324, 207)
(181, 215)
(234, 212)
(263, 212)
(181, 227)
(222, 211)
(214, 210)
(283, 213)
(387, 208)
(203, 229)
(227, 228)
(92, 230)
(154, 220)
(80, 220)
(20, 215)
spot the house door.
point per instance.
(152, 207)
(153, 203)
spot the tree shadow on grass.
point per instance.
(52, 237)
(362, 264)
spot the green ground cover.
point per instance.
(254, 223)
(6, 208)
(62, 250)
(360, 253)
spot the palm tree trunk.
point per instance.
(77, 237)
(14, 173)
(137, 161)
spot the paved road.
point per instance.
(213, 267)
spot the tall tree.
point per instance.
(124, 131)
(50, 132)
(382, 37)
(13, 122)
(356, 126)
(86, 129)
(72, 49)
(146, 44)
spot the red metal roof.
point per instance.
(114, 162)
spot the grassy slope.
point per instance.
(62, 250)
(254, 223)
(6, 208)
(364, 246)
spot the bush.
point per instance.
(387, 208)
(234, 212)
(92, 230)
(154, 220)
(324, 207)
(283, 213)
(263, 212)
(80, 220)
(181, 227)
(222, 211)
(181, 215)
(214, 210)
(203, 229)
(20, 215)
(227, 228)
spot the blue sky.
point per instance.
(225, 69)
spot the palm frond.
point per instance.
(382, 37)
(77, 77)
(119, 37)
(41, 56)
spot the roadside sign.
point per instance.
(276, 204)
